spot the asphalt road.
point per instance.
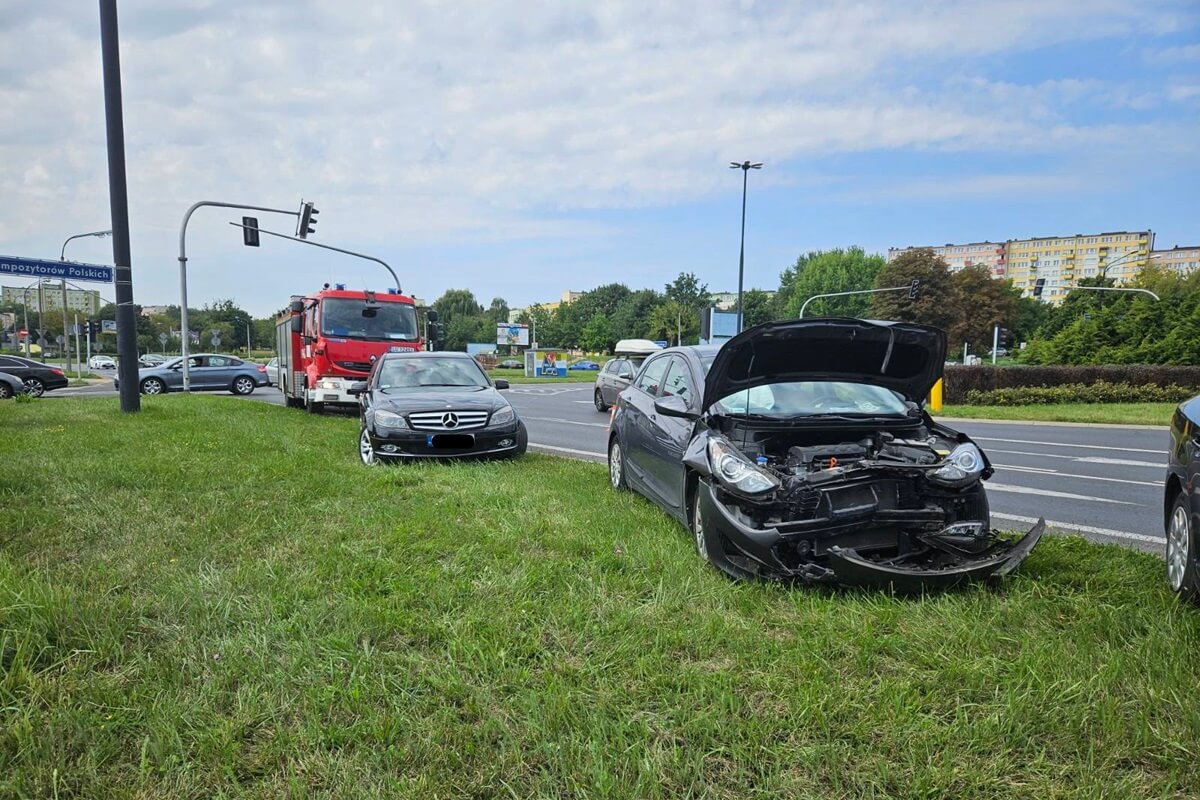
(1102, 481)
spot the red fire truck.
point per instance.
(328, 340)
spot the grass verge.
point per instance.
(518, 376)
(1110, 413)
(213, 598)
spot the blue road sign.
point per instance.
(45, 268)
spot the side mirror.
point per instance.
(296, 306)
(357, 388)
(297, 324)
(627, 374)
(674, 406)
(501, 383)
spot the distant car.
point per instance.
(151, 360)
(614, 378)
(434, 405)
(10, 386)
(273, 372)
(511, 363)
(208, 372)
(588, 365)
(101, 362)
(1181, 502)
(38, 378)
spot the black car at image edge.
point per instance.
(437, 405)
(38, 378)
(800, 450)
(1181, 502)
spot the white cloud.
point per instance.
(421, 123)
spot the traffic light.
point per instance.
(1005, 334)
(93, 328)
(433, 331)
(913, 288)
(308, 219)
(250, 231)
(1038, 285)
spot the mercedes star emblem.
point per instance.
(449, 420)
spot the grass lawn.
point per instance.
(214, 599)
(518, 376)
(1114, 413)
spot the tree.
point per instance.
(980, 304)
(825, 272)
(597, 334)
(756, 308)
(934, 304)
(674, 322)
(631, 320)
(497, 312)
(457, 303)
(687, 291)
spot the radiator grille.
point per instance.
(450, 420)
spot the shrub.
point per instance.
(1099, 392)
(962, 380)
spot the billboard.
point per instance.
(512, 334)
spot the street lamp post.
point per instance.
(745, 167)
(62, 256)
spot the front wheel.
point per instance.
(5, 391)
(366, 451)
(312, 406)
(153, 386)
(598, 399)
(616, 465)
(34, 387)
(1182, 575)
(242, 384)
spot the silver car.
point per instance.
(208, 372)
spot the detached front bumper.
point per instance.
(840, 555)
(478, 442)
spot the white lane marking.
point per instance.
(570, 450)
(1057, 474)
(566, 421)
(1071, 526)
(1122, 461)
(1004, 487)
(1066, 444)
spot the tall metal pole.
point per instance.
(41, 324)
(742, 252)
(127, 365)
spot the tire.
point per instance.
(292, 402)
(522, 440)
(5, 391)
(366, 452)
(598, 399)
(34, 386)
(1183, 575)
(242, 384)
(697, 522)
(616, 466)
(153, 386)
(312, 406)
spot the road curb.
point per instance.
(1119, 426)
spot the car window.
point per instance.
(217, 361)
(812, 398)
(679, 381)
(10, 362)
(235, 362)
(650, 381)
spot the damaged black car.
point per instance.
(801, 450)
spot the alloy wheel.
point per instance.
(34, 387)
(152, 386)
(615, 466)
(365, 451)
(698, 528)
(1178, 542)
(243, 385)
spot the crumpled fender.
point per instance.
(851, 569)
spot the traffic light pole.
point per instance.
(995, 343)
(911, 289)
(185, 335)
(328, 247)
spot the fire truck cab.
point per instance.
(329, 340)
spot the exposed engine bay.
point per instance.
(856, 504)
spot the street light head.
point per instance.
(756, 166)
(734, 165)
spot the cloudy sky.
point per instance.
(519, 149)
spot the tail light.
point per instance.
(262, 368)
(58, 371)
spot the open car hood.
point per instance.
(901, 356)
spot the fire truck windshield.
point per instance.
(355, 319)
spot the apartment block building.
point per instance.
(49, 298)
(957, 256)
(1061, 261)
(1184, 260)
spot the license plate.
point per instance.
(451, 441)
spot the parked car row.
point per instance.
(36, 377)
(206, 372)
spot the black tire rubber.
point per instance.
(1189, 589)
(34, 386)
(522, 440)
(293, 402)
(313, 407)
(598, 401)
(5, 391)
(233, 387)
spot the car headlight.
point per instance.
(389, 419)
(503, 416)
(961, 467)
(329, 383)
(735, 470)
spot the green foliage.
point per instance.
(960, 382)
(824, 272)
(756, 308)
(1100, 392)
(936, 297)
(597, 334)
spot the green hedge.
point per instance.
(961, 381)
(1099, 392)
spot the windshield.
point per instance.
(410, 373)
(813, 398)
(354, 319)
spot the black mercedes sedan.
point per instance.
(801, 450)
(1181, 502)
(435, 405)
(38, 378)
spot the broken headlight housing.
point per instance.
(735, 471)
(962, 467)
